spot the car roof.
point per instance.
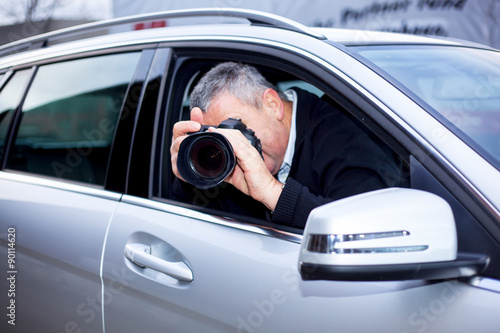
(367, 37)
(351, 37)
(259, 20)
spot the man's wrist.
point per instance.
(273, 195)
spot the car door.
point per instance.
(54, 210)
(185, 271)
(188, 269)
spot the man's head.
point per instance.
(233, 90)
(242, 81)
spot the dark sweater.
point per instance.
(334, 158)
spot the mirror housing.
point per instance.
(389, 234)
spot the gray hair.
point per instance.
(244, 82)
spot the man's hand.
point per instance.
(251, 175)
(180, 132)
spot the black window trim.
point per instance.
(119, 157)
(140, 164)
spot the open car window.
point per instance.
(211, 200)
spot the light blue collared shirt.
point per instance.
(290, 148)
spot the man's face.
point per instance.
(267, 128)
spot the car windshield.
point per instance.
(461, 85)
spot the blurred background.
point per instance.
(473, 20)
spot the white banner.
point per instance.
(473, 20)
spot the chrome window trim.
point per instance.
(219, 220)
(59, 184)
(78, 54)
(486, 283)
(6, 76)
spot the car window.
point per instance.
(285, 85)
(462, 85)
(69, 117)
(9, 99)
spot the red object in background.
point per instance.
(150, 25)
(158, 24)
(139, 26)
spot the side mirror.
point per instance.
(389, 234)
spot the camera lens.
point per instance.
(205, 159)
(208, 159)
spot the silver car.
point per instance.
(91, 239)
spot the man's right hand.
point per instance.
(180, 132)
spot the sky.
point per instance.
(11, 11)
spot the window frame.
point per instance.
(303, 68)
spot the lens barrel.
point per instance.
(205, 159)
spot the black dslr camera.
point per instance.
(205, 159)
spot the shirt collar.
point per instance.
(290, 149)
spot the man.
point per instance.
(313, 153)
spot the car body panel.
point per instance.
(58, 248)
(248, 282)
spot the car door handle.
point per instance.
(140, 254)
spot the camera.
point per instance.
(205, 159)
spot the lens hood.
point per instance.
(205, 159)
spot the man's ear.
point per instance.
(197, 115)
(272, 102)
